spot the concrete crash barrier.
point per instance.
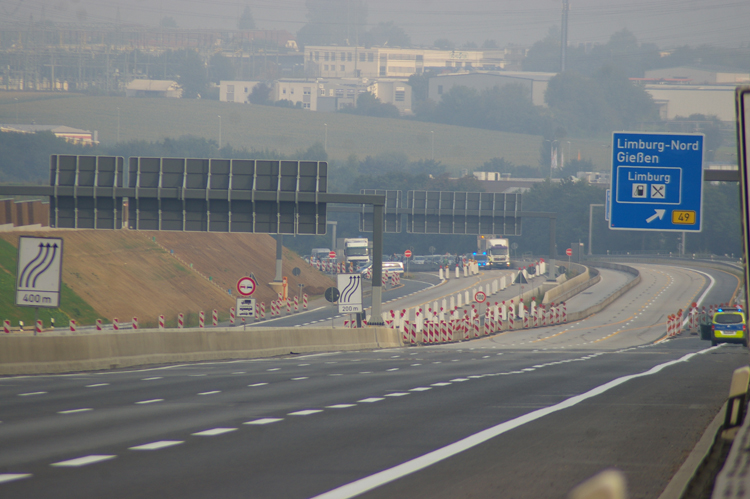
(59, 354)
(586, 278)
(598, 307)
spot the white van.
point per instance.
(391, 267)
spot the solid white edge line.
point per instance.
(371, 482)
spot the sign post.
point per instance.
(657, 182)
(742, 103)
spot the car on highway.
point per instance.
(482, 260)
(728, 326)
(390, 267)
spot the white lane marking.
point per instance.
(274, 369)
(365, 372)
(306, 412)
(213, 432)
(340, 406)
(420, 389)
(335, 374)
(301, 365)
(386, 476)
(300, 378)
(31, 394)
(459, 380)
(196, 375)
(441, 384)
(396, 394)
(161, 444)
(73, 411)
(371, 400)
(151, 379)
(264, 421)
(392, 369)
(96, 385)
(152, 401)
(240, 372)
(258, 384)
(10, 477)
(213, 392)
(84, 461)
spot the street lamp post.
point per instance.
(219, 131)
(591, 220)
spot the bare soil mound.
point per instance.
(128, 274)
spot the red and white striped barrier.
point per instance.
(262, 310)
(72, 325)
(98, 324)
(202, 319)
(115, 324)
(39, 326)
(304, 301)
(161, 322)
(6, 326)
(511, 319)
(564, 313)
(288, 307)
(135, 323)
(296, 304)
(180, 321)
(231, 315)
(318, 264)
(215, 317)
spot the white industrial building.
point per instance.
(153, 88)
(535, 83)
(697, 75)
(324, 94)
(388, 62)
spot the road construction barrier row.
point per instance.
(441, 325)
(161, 322)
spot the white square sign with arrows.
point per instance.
(350, 297)
(39, 271)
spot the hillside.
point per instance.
(284, 130)
(126, 273)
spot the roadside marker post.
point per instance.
(135, 322)
(181, 321)
(39, 326)
(215, 318)
(115, 324)
(161, 322)
(98, 324)
(72, 325)
(6, 326)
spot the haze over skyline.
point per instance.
(668, 23)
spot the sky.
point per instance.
(668, 23)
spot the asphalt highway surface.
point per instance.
(526, 414)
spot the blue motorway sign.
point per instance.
(657, 182)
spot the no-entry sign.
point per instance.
(569, 251)
(407, 253)
(332, 254)
(246, 286)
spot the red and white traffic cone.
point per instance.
(98, 324)
(135, 322)
(202, 319)
(72, 325)
(115, 324)
(161, 322)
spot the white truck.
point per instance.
(498, 253)
(356, 251)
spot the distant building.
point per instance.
(153, 88)
(236, 91)
(72, 135)
(696, 75)
(684, 100)
(535, 83)
(394, 62)
(324, 94)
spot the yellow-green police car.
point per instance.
(728, 326)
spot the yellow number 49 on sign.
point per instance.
(684, 217)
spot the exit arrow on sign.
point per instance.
(659, 214)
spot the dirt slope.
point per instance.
(125, 273)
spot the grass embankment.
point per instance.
(284, 130)
(72, 306)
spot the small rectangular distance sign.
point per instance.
(350, 293)
(657, 181)
(245, 307)
(39, 273)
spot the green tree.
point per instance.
(246, 20)
(386, 35)
(220, 68)
(333, 22)
(544, 55)
(369, 105)
(193, 76)
(167, 22)
(261, 94)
